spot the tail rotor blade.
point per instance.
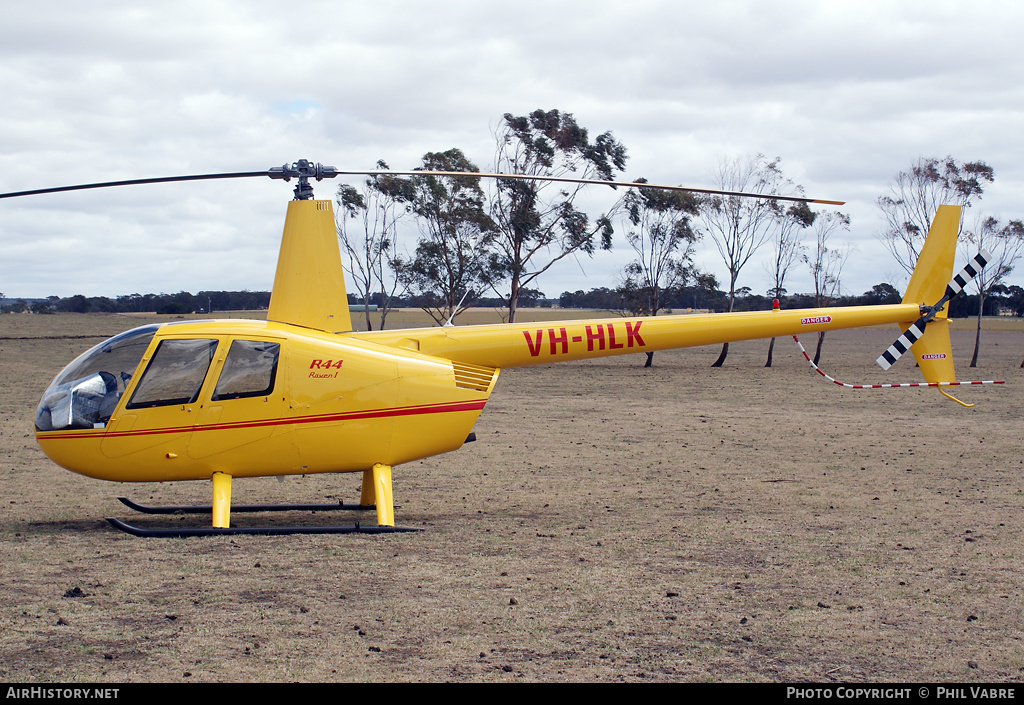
(967, 274)
(902, 344)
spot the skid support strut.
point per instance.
(375, 493)
(221, 500)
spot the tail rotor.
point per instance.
(916, 330)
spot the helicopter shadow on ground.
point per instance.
(20, 528)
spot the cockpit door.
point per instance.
(162, 408)
(237, 428)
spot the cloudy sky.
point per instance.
(846, 93)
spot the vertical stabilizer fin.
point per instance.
(934, 352)
(934, 267)
(928, 284)
(309, 287)
(928, 337)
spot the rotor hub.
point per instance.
(302, 170)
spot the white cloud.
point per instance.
(845, 93)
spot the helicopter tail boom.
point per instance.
(925, 326)
(523, 344)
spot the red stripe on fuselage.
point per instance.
(321, 418)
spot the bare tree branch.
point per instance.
(916, 194)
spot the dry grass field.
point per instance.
(611, 523)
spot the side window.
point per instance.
(249, 370)
(175, 374)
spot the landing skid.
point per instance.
(185, 532)
(252, 530)
(208, 508)
(374, 494)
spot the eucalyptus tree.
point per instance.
(449, 268)
(826, 261)
(1005, 244)
(536, 222)
(915, 195)
(740, 226)
(661, 237)
(787, 250)
(367, 223)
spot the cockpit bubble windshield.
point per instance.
(86, 392)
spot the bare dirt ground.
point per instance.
(611, 523)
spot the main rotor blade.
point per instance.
(595, 182)
(135, 182)
(307, 169)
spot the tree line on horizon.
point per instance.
(180, 303)
(692, 298)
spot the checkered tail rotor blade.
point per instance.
(902, 344)
(967, 274)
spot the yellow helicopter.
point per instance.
(304, 393)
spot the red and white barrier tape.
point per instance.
(887, 386)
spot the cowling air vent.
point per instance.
(475, 377)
